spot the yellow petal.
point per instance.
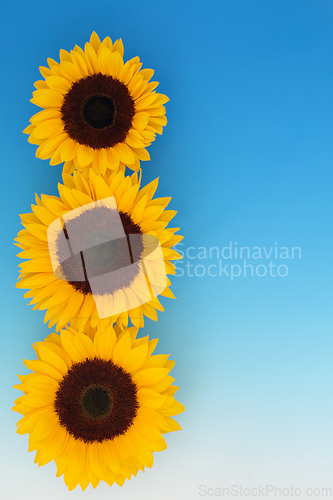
(35, 265)
(45, 150)
(138, 88)
(172, 424)
(70, 71)
(124, 153)
(44, 71)
(103, 60)
(113, 458)
(74, 305)
(163, 385)
(85, 344)
(29, 129)
(41, 384)
(122, 348)
(96, 459)
(70, 482)
(147, 73)
(119, 47)
(44, 214)
(157, 360)
(51, 446)
(45, 114)
(107, 42)
(155, 417)
(149, 376)
(36, 400)
(60, 297)
(109, 477)
(93, 479)
(77, 451)
(68, 150)
(37, 230)
(56, 347)
(67, 342)
(85, 155)
(41, 84)
(64, 55)
(27, 423)
(91, 57)
(135, 358)
(45, 426)
(84, 481)
(115, 64)
(174, 409)
(142, 154)
(151, 399)
(145, 455)
(79, 61)
(127, 200)
(101, 160)
(105, 342)
(102, 190)
(148, 190)
(147, 428)
(138, 210)
(40, 367)
(95, 41)
(125, 448)
(50, 357)
(48, 129)
(58, 83)
(47, 98)
(133, 141)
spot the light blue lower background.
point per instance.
(247, 158)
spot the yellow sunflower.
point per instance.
(117, 279)
(99, 407)
(97, 111)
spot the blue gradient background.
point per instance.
(247, 157)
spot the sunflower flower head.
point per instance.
(97, 407)
(74, 286)
(98, 111)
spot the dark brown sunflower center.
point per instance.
(97, 111)
(96, 400)
(104, 243)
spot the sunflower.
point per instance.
(112, 283)
(98, 112)
(99, 407)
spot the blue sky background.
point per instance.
(247, 157)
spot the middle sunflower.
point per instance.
(69, 300)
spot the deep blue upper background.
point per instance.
(247, 157)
